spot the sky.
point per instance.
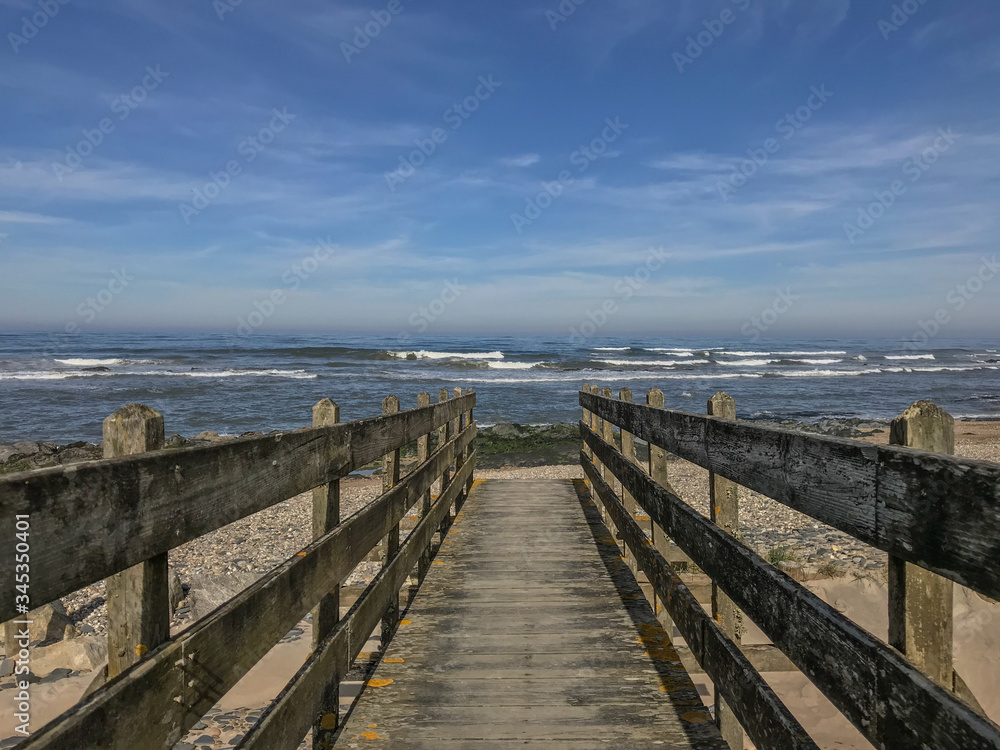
(811, 168)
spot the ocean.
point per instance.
(60, 388)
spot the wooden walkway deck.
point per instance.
(530, 631)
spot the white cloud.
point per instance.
(526, 160)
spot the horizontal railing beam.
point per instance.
(94, 519)
(185, 677)
(939, 512)
(889, 700)
(765, 718)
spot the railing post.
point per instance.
(595, 426)
(326, 516)
(139, 597)
(423, 453)
(468, 451)
(658, 473)
(628, 450)
(444, 437)
(390, 478)
(608, 433)
(724, 505)
(459, 455)
(920, 602)
(586, 420)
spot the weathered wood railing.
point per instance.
(120, 516)
(936, 515)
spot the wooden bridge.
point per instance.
(545, 610)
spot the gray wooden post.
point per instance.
(660, 541)
(444, 437)
(628, 450)
(586, 420)
(390, 478)
(469, 419)
(459, 455)
(423, 453)
(326, 516)
(724, 505)
(920, 602)
(609, 477)
(596, 426)
(139, 597)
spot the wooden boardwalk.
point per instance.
(529, 631)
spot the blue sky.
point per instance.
(313, 132)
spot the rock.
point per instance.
(177, 592)
(76, 452)
(50, 623)
(83, 654)
(27, 448)
(211, 591)
(792, 569)
(208, 435)
(6, 667)
(7, 452)
(176, 441)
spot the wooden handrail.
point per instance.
(939, 512)
(94, 519)
(890, 701)
(182, 679)
(768, 721)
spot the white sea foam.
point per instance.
(747, 363)
(612, 348)
(510, 365)
(675, 352)
(817, 361)
(808, 354)
(61, 375)
(653, 362)
(424, 354)
(746, 354)
(909, 356)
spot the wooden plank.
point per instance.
(138, 597)
(288, 718)
(890, 701)
(179, 682)
(390, 545)
(939, 512)
(326, 516)
(511, 669)
(94, 519)
(724, 510)
(920, 603)
(769, 723)
(423, 451)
